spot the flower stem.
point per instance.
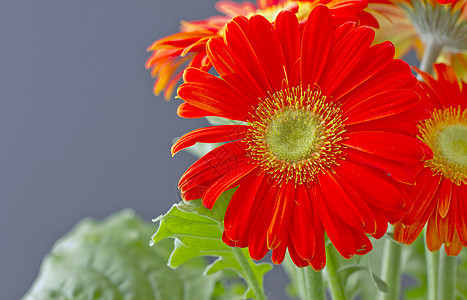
(391, 269)
(431, 271)
(296, 276)
(447, 276)
(432, 50)
(249, 275)
(337, 292)
(314, 284)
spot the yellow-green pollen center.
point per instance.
(446, 134)
(452, 142)
(293, 134)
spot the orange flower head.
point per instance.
(441, 190)
(324, 117)
(172, 54)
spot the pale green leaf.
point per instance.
(198, 232)
(112, 259)
(217, 121)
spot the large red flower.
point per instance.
(327, 117)
(172, 54)
(440, 196)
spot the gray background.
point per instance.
(81, 134)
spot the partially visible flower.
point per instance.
(458, 61)
(412, 24)
(440, 195)
(327, 118)
(172, 54)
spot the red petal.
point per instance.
(302, 230)
(446, 226)
(381, 105)
(288, 30)
(220, 155)
(408, 235)
(236, 38)
(278, 254)
(282, 213)
(433, 241)
(396, 170)
(352, 211)
(267, 47)
(422, 194)
(381, 82)
(374, 190)
(215, 99)
(257, 246)
(345, 56)
(318, 262)
(239, 208)
(232, 69)
(213, 134)
(445, 191)
(298, 261)
(378, 57)
(316, 45)
(337, 231)
(242, 243)
(455, 247)
(221, 185)
(461, 219)
(189, 111)
(389, 145)
(201, 179)
(362, 243)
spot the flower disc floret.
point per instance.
(295, 134)
(446, 134)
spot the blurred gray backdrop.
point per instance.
(81, 134)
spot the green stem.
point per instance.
(314, 285)
(432, 50)
(431, 271)
(335, 285)
(296, 276)
(249, 275)
(447, 276)
(391, 269)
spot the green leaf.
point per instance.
(348, 270)
(216, 121)
(379, 283)
(198, 232)
(112, 259)
(200, 149)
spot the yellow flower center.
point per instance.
(446, 134)
(295, 134)
(452, 142)
(270, 13)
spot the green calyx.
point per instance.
(293, 134)
(452, 142)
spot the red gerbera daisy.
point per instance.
(326, 119)
(441, 191)
(172, 54)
